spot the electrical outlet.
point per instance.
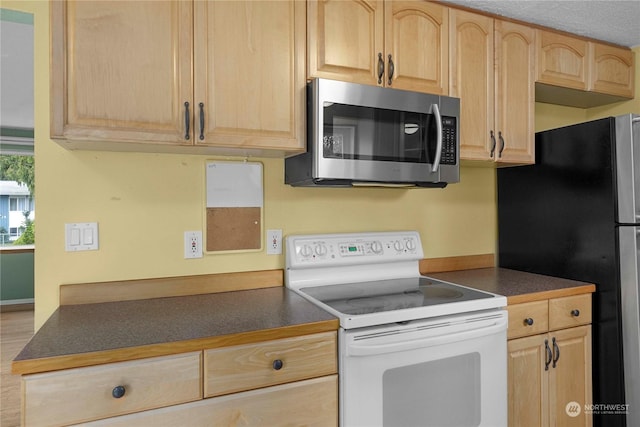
(192, 244)
(274, 242)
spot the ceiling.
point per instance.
(613, 21)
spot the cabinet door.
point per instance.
(120, 71)
(528, 381)
(345, 39)
(570, 379)
(249, 74)
(515, 99)
(416, 37)
(612, 70)
(472, 80)
(562, 60)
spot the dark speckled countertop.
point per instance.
(83, 335)
(517, 286)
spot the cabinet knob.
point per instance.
(528, 321)
(277, 364)
(575, 312)
(118, 391)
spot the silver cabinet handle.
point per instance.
(501, 139)
(380, 67)
(201, 121)
(436, 161)
(187, 121)
(493, 144)
(556, 352)
(549, 355)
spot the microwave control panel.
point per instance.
(449, 141)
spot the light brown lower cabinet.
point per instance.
(549, 374)
(302, 403)
(287, 381)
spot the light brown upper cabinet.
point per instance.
(401, 44)
(562, 60)
(580, 73)
(492, 65)
(612, 70)
(194, 77)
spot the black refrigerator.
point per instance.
(575, 214)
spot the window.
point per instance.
(21, 204)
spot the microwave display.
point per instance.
(365, 133)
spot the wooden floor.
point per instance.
(16, 328)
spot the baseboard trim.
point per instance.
(465, 262)
(17, 305)
(126, 290)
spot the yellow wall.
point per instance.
(144, 202)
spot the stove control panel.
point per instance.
(339, 249)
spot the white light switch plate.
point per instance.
(81, 236)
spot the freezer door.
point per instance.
(629, 238)
(627, 137)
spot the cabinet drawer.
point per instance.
(528, 318)
(239, 368)
(569, 311)
(84, 394)
(312, 403)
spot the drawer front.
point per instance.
(84, 394)
(312, 403)
(570, 311)
(529, 318)
(239, 368)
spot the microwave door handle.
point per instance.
(436, 161)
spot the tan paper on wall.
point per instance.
(234, 206)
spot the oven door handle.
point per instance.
(436, 161)
(445, 338)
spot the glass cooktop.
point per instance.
(388, 295)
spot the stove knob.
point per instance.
(306, 251)
(411, 245)
(376, 247)
(321, 250)
(398, 246)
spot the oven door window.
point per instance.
(365, 133)
(415, 393)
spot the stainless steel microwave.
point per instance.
(374, 136)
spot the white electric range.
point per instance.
(412, 350)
